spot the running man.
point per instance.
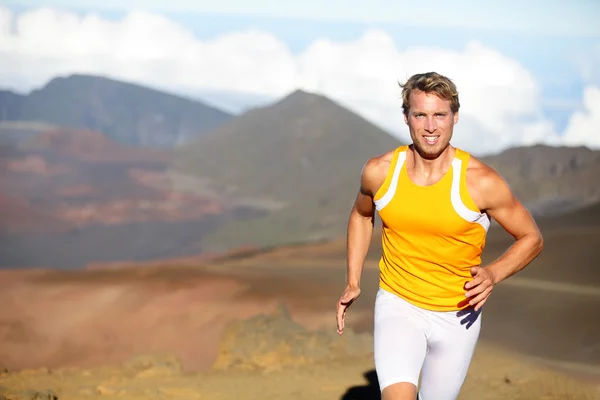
(435, 202)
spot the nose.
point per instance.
(430, 125)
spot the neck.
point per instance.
(427, 166)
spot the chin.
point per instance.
(430, 152)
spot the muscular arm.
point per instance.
(501, 204)
(493, 195)
(360, 228)
(360, 231)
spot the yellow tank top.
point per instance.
(431, 235)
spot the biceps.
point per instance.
(514, 218)
(364, 205)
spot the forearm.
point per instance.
(360, 232)
(517, 257)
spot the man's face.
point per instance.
(430, 122)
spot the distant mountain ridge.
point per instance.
(551, 180)
(307, 151)
(304, 152)
(286, 172)
(128, 113)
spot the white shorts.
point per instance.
(412, 342)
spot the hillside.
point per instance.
(72, 197)
(303, 154)
(15, 133)
(287, 172)
(551, 180)
(128, 113)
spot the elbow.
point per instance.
(539, 243)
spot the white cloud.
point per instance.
(584, 125)
(500, 99)
(143, 47)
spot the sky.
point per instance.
(527, 72)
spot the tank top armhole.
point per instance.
(464, 190)
(390, 173)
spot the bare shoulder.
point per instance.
(374, 172)
(486, 186)
(493, 195)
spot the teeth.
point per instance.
(431, 138)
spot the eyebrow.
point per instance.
(435, 112)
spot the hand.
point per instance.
(350, 294)
(480, 287)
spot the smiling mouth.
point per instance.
(431, 139)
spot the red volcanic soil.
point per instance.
(35, 164)
(94, 317)
(243, 252)
(93, 146)
(82, 178)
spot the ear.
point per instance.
(405, 118)
(455, 118)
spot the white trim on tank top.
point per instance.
(459, 206)
(389, 194)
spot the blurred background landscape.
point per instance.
(175, 184)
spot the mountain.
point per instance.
(128, 113)
(282, 173)
(72, 197)
(302, 155)
(550, 180)
(14, 133)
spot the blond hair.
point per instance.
(430, 82)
